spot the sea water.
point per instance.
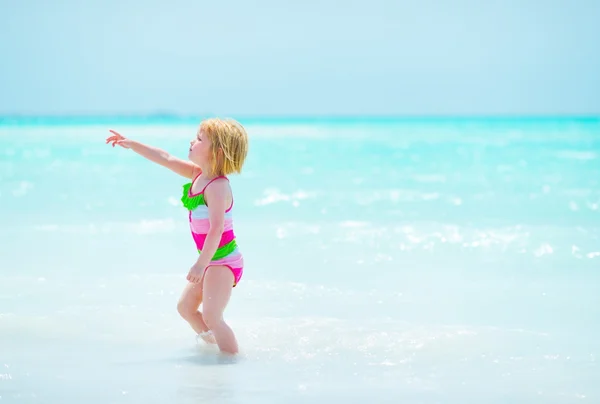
(387, 261)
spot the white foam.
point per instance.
(577, 155)
(274, 195)
(145, 226)
(544, 249)
(22, 189)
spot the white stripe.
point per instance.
(201, 212)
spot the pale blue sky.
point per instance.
(300, 58)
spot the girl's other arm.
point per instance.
(217, 200)
(184, 168)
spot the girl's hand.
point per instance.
(119, 139)
(195, 274)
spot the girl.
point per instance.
(219, 148)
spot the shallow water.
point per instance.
(440, 261)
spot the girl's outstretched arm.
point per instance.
(184, 168)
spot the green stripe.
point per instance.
(191, 203)
(224, 251)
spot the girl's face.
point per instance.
(200, 150)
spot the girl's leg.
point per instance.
(218, 283)
(188, 304)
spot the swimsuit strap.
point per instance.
(214, 179)
(198, 198)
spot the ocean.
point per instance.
(388, 260)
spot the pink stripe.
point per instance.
(200, 239)
(199, 225)
(235, 260)
(227, 237)
(203, 225)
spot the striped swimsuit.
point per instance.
(227, 253)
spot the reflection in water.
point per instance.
(204, 376)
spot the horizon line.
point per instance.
(161, 114)
(157, 118)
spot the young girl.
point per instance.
(219, 148)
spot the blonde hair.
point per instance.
(229, 145)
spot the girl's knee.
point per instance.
(212, 318)
(185, 310)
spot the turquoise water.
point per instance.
(429, 261)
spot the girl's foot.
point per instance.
(208, 337)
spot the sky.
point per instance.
(284, 58)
